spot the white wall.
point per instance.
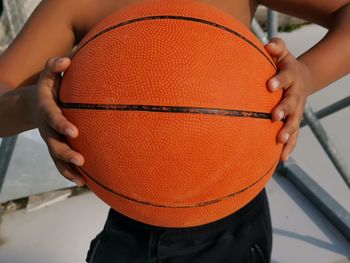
(16, 12)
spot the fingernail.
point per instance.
(77, 182)
(271, 44)
(73, 161)
(61, 60)
(70, 133)
(280, 115)
(274, 84)
(286, 137)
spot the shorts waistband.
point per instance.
(253, 207)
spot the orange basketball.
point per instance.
(173, 111)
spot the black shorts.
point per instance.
(242, 237)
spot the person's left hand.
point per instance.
(295, 79)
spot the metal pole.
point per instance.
(331, 109)
(272, 28)
(12, 29)
(326, 143)
(325, 203)
(257, 30)
(6, 149)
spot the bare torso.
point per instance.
(96, 10)
(57, 25)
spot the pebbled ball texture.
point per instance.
(171, 103)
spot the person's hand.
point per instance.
(53, 126)
(294, 78)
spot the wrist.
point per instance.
(28, 105)
(15, 112)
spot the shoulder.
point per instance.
(80, 15)
(53, 29)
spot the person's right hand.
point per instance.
(53, 126)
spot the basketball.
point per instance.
(173, 112)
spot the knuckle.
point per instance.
(283, 77)
(290, 102)
(59, 124)
(294, 101)
(50, 62)
(289, 77)
(50, 117)
(63, 153)
(292, 127)
(296, 96)
(53, 117)
(48, 69)
(283, 106)
(277, 40)
(66, 152)
(43, 104)
(57, 149)
(44, 82)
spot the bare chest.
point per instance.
(95, 10)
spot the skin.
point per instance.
(30, 65)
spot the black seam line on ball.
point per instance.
(192, 19)
(187, 206)
(170, 109)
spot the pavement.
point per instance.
(62, 232)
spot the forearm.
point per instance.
(329, 60)
(18, 111)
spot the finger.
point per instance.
(48, 81)
(50, 111)
(69, 172)
(54, 66)
(277, 49)
(53, 116)
(60, 149)
(289, 147)
(291, 126)
(284, 79)
(291, 103)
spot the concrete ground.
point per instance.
(62, 232)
